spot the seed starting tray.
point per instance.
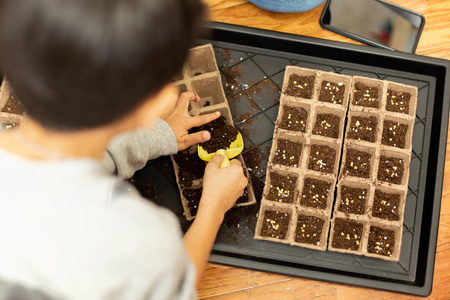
(252, 64)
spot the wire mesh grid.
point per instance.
(252, 82)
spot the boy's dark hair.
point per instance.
(78, 64)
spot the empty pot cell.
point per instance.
(190, 167)
(362, 128)
(300, 86)
(13, 105)
(391, 169)
(386, 206)
(381, 241)
(294, 118)
(398, 101)
(315, 193)
(394, 134)
(327, 125)
(193, 199)
(210, 91)
(287, 153)
(282, 187)
(309, 230)
(201, 60)
(332, 92)
(275, 224)
(347, 234)
(357, 163)
(222, 135)
(352, 200)
(365, 95)
(322, 158)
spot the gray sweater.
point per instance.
(71, 230)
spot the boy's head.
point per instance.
(80, 64)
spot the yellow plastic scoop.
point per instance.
(234, 150)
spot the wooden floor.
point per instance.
(222, 282)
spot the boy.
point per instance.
(87, 71)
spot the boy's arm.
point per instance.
(130, 151)
(221, 189)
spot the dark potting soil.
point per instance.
(13, 106)
(398, 101)
(362, 129)
(353, 200)
(347, 234)
(322, 158)
(243, 198)
(288, 153)
(332, 92)
(309, 230)
(275, 224)
(282, 188)
(294, 118)
(222, 135)
(381, 241)
(386, 206)
(391, 169)
(315, 193)
(327, 125)
(357, 163)
(300, 86)
(193, 197)
(366, 96)
(394, 134)
(190, 167)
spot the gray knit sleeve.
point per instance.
(130, 151)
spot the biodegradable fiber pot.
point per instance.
(287, 6)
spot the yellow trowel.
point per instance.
(234, 150)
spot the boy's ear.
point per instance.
(158, 106)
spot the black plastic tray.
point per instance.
(252, 66)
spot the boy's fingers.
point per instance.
(183, 101)
(216, 161)
(203, 119)
(198, 137)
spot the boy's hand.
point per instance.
(222, 187)
(180, 122)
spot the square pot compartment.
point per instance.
(287, 150)
(397, 132)
(387, 204)
(353, 197)
(383, 241)
(294, 117)
(210, 91)
(275, 223)
(393, 168)
(367, 93)
(363, 127)
(201, 60)
(310, 230)
(328, 123)
(317, 192)
(300, 83)
(358, 162)
(334, 89)
(281, 186)
(323, 156)
(401, 99)
(347, 235)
